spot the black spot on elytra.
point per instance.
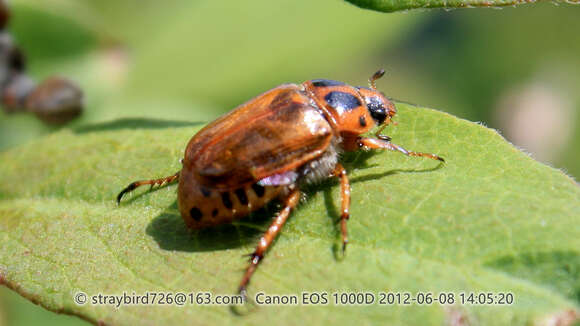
(205, 192)
(214, 212)
(258, 190)
(326, 82)
(195, 213)
(241, 194)
(227, 200)
(362, 120)
(342, 100)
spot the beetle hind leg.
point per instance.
(152, 182)
(266, 240)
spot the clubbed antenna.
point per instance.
(374, 78)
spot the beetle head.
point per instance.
(379, 106)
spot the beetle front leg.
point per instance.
(266, 240)
(374, 143)
(340, 172)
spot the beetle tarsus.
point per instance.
(382, 143)
(428, 155)
(152, 182)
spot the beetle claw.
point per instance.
(384, 137)
(129, 188)
(247, 305)
(248, 255)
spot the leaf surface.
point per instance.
(490, 220)
(398, 5)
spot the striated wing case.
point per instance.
(273, 133)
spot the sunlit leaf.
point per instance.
(490, 219)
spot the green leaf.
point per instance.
(396, 5)
(491, 219)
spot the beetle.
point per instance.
(271, 146)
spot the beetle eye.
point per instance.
(377, 110)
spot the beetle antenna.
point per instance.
(374, 78)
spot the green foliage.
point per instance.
(12, 312)
(397, 5)
(463, 61)
(490, 219)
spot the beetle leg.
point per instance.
(266, 240)
(374, 143)
(340, 172)
(152, 182)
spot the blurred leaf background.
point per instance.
(513, 69)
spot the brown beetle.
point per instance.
(268, 147)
